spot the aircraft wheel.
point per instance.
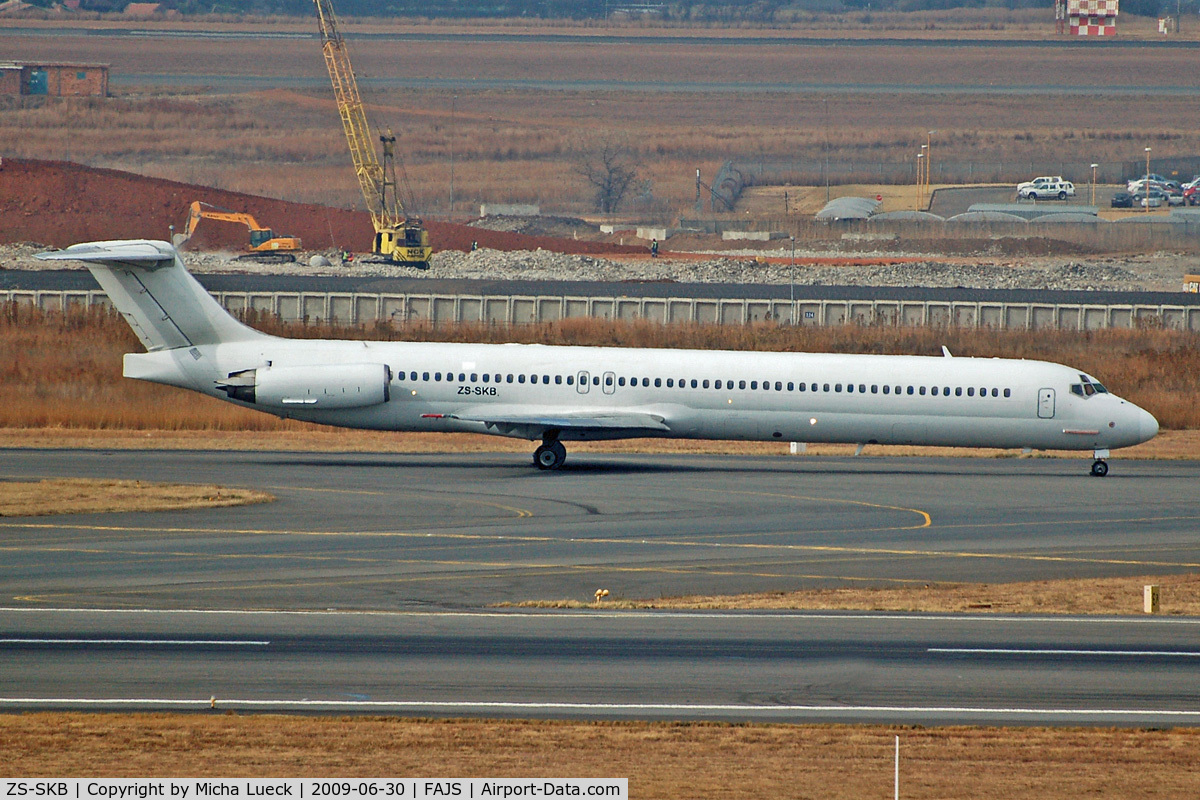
(550, 455)
(1099, 468)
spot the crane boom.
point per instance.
(401, 238)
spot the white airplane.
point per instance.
(559, 394)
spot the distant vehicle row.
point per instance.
(1151, 191)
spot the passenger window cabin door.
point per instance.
(1046, 403)
(583, 382)
(609, 384)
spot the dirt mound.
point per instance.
(59, 203)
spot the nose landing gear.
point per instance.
(1100, 466)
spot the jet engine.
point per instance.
(324, 386)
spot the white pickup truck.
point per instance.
(1046, 187)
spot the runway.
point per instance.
(371, 582)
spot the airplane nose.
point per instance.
(1147, 425)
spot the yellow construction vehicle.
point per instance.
(401, 238)
(265, 245)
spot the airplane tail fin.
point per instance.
(147, 282)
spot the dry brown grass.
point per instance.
(84, 496)
(661, 760)
(1180, 596)
(521, 145)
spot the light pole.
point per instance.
(1094, 183)
(929, 162)
(1146, 183)
(792, 281)
(920, 166)
(453, 109)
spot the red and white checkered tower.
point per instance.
(1092, 17)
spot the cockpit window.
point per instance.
(1087, 387)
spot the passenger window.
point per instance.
(412, 376)
(558, 380)
(670, 383)
(791, 386)
(945, 391)
(958, 392)
(645, 381)
(862, 387)
(474, 377)
(983, 392)
(994, 393)
(827, 387)
(596, 381)
(970, 391)
(800, 386)
(608, 380)
(717, 384)
(874, 388)
(533, 378)
(887, 389)
(705, 383)
(509, 378)
(1008, 392)
(520, 379)
(545, 379)
(658, 382)
(437, 376)
(778, 386)
(694, 383)
(496, 378)
(910, 390)
(570, 380)
(485, 377)
(741, 384)
(462, 376)
(837, 387)
(922, 391)
(753, 384)
(621, 381)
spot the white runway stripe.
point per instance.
(162, 642)
(734, 708)
(1036, 652)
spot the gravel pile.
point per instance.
(1150, 272)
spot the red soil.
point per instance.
(58, 203)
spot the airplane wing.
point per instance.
(535, 422)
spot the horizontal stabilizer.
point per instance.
(131, 252)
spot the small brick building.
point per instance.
(53, 79)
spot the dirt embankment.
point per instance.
(58, 203)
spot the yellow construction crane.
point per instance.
(265, 245)
(401, 238)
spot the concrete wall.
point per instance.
(522, 309)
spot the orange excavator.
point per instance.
(266, 246)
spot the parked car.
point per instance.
(1153, 177)
(1191, 196)
(1175, 198)
(1045, 189)
(1150, 198)
(1122, 200)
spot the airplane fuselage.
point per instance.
(803, 397)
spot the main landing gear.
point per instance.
(550, 454)
(1100, 466)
